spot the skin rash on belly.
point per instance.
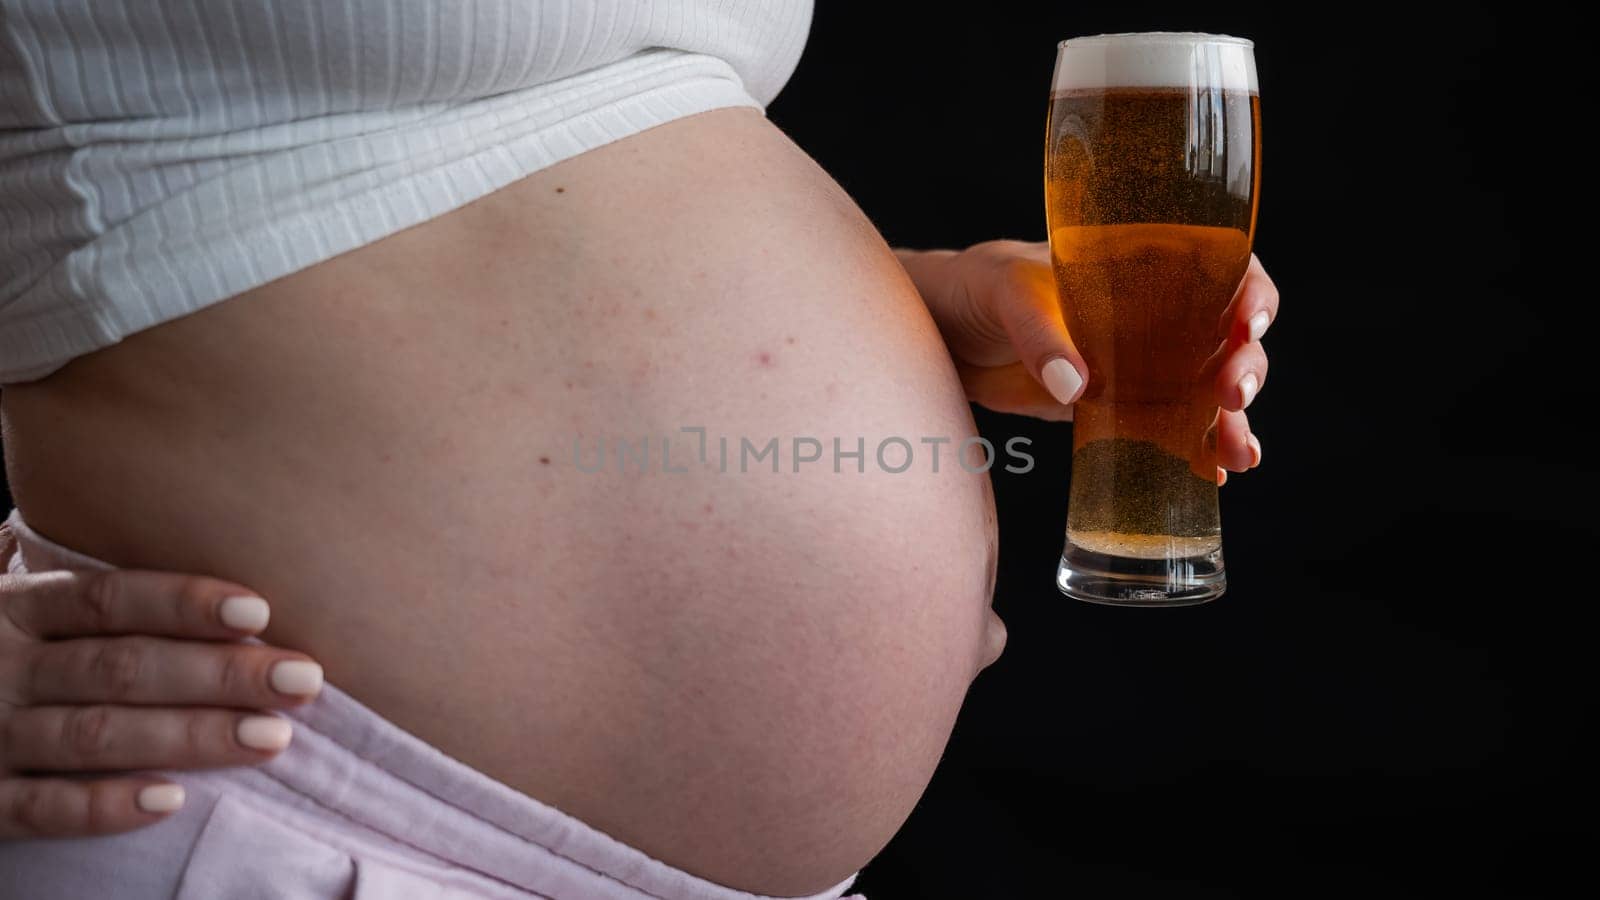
(747, 675)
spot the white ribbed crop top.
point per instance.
(160, 156)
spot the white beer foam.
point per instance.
(1156, 59)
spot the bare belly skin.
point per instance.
(750, 676)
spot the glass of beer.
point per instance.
(1151, 175)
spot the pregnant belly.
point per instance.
(744, 672)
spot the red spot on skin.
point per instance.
(788, 340)
(765, 358)
(544, 460)
(588, 365)
(388, 457)
(569, 385)
(707, 508)
(832, 390)
(650, 314)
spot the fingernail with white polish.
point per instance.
(160, 798)
(264, 732)
(1061, 380)
(1258, 325)
(1255, 450)
(1248, 385)
(296, 676)
(244, 613)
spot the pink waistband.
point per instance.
(354, 783)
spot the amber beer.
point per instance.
(1151, 184)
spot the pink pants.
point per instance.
(355, 808)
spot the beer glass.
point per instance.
(1151, 177)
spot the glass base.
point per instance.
(1132, 581)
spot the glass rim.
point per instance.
(1166, 37)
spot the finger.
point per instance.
(1254, 307)
(106, 738)
(60, 807)
(1010, 389)
(153, 671)
(1241, 377)
(995, 303)
(1237, 449)
(1021, 296)
(77, 604)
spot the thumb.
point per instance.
(1020, 296)
(995, 304)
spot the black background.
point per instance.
(1388, 699)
